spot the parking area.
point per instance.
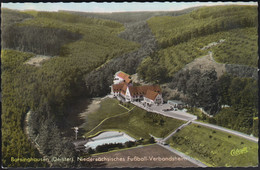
(167, 110)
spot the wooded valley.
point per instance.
(87, 49)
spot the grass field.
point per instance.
(154, 151)
(215, 148)
(137, 123)
(108, 108)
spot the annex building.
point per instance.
(123, 88)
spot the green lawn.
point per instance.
(214, 147)
(138, 123)
(108, 108)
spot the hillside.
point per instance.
(201, 22)
(132, 17)
(81, 52)
(187, 71)
(183, 38)
(78, 46)
(88, 40)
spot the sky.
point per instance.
(115, 7)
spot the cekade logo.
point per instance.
(236, 152)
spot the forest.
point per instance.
(180, 44)
(181, 39)
(87, 49)
(132, 17)
(48, 89)
(239, 95)
(201, 22)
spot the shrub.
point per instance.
(151, 140)
(91, 151)
(129, 144)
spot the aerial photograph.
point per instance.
(129, 85)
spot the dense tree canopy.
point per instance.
(200, 87)
(57, 82)
(183, 38)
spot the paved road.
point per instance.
(200, 164)
(179, 128)
(254, 139)
(181, 115)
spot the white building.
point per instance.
(121, 77)
(123, 88)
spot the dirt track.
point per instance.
(206, 63)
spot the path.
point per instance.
(111, 117)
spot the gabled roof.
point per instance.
(124, 76)
(117, 87)
(142, 90)
(151, 94)
(123, 91)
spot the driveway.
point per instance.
(181, 115)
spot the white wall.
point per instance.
(117, 80)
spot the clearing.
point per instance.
(144, 154)
(37, 60)
(215, 148)
(207, 63)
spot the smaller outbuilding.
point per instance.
(176, 103)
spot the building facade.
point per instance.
(123, 89)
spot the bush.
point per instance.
(91, 151)
(151, 140)
(129, 144)
(108, 147)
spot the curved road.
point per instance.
(254, 139)
(188, 117)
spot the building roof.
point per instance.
(175, 102)
(151, 94)
(124, 76)
(142, 90)
(123, 91)
(119, 87)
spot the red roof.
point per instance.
(117, 87)
(123, 91)
(124, 76)
(151, 94)
(142, 90)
